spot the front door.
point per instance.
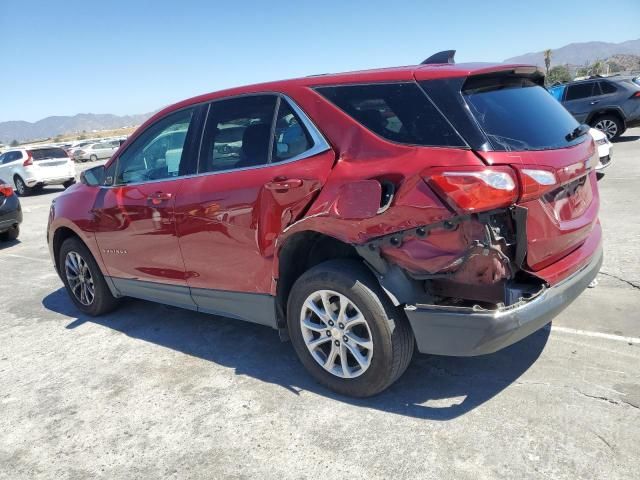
(255, 178)
(135, 222)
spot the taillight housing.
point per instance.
(635, 95)
(536, 181)
(6, 190)
(475, 189)
(29, 161)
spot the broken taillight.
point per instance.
(536, 182)
(474, 189)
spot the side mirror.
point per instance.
(93, 177)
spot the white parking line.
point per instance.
(26, 258)
(587, 333)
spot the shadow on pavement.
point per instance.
(9, 243)
(434, 387)
(626, 138)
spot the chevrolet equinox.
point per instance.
(448, 208)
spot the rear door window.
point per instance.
(237, 133)
(517, 114)
(580, 90)
(399, 112)
(291, 137)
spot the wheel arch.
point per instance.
(300, 252)
(59, 236)
(607, 111)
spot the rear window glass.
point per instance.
(46, 153)
(399, 112)
(518, 114)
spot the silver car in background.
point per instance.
(96, 151)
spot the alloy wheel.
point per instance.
(20, 186)
(336, 334)
(608, 127)
(79, 278)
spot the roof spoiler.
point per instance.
(445, 56)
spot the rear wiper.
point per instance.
(579, 131)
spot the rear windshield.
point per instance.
(47, 153)
(399, 112)
(517, 114)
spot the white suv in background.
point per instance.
(605, 149)
(36, 167)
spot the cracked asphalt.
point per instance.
(152, 391)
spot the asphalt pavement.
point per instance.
(156, 392)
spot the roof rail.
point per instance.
(445, 56)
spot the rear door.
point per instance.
(255, 178)
(11, 165)
(580, 99)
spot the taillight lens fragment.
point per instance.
(536, 182)
(6, 190)
(476, 189)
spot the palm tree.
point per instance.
(547, 60)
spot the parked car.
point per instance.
(95, 151)
(609, 104)
(605, 148)
(36, 167)
(450, 207)
(10, 212)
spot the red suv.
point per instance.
(450, 207)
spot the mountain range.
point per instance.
(580, 53)
(52, 126)
(575, 54)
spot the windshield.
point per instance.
(518, 114)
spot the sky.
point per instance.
(128, 57)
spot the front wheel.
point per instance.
(68, 183)
(345, 330)
(93, 158)
(83, 279)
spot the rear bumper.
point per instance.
(468, 332)
(57, 180)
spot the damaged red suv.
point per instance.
(451, 208)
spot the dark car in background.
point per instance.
(609, 104)
(10, 212)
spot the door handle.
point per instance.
(159, 197)
(284, 184)
(594, 102)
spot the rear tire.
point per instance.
(377, 349)
(83, 279)
(68, 183)
(610, 125)
(93, 158)
(11, 234)
(21, 186)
